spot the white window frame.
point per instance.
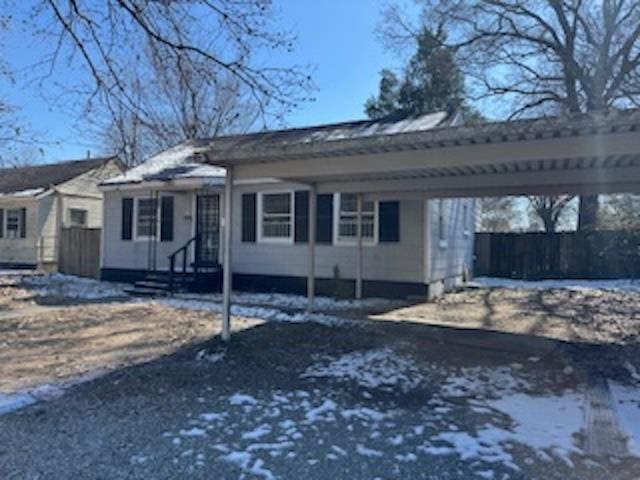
(141, 238)
(70, 221)
(366, 241)
(260, 217)
(19, 223)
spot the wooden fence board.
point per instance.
(79, 252)
(600, 254)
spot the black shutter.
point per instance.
(301, 216)
(23, 223)
(1, 222)
(324, 224)
(127, 219)
(249, 217)
(389, 223)
(166, 219)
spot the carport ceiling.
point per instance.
(585, 154)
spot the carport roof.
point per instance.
(438, 130)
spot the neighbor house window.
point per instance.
(277, 216)
(77, 217)
(348, 218)
(14, 220)
(147, 218)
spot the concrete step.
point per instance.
(152, 284)
(146, 292)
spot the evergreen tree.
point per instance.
(430, 82)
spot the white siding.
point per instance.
(134, 254)
(401, 262)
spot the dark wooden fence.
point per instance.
(602, 254)
(80, 252)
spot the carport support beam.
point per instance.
(226, 267)
(359, 258)
(311, 274)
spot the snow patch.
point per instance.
(627, 401)
(258, 432)
(242, 399)
(381, 368)
(69, 286)
(262, 313)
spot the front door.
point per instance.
(207, 230)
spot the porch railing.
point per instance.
(184, 251)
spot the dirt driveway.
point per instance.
(52, 339)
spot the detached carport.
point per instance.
(582, 155)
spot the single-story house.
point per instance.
(37, 201)
(169, 211)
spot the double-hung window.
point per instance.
(347, 218)
(276, 217)
(14, 220)
(147, 218)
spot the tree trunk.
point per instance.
(588, 212)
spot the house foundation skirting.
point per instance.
(343, 288)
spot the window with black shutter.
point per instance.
(127, 219)
(301, 216)
(249, 217)
(166, 219)
(1, 222)
(324, 224)
(23, 223)
(389, 222)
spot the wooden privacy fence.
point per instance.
(600, 254)
(80, 251)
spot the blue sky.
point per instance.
(336, 37)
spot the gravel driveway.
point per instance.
(355, 400)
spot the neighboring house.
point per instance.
(37, 201)
(411, 246)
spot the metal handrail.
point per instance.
(184, 250)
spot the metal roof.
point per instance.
(425, 132)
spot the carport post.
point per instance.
(311, 274)
(226, 267)
(359, 258)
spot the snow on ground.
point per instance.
(483, 382)
(68, 286)
(270, 429)
(627, 401)
(621, 284)
(263, 313)
(17, 400)
(381, 368)
(294, 302)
